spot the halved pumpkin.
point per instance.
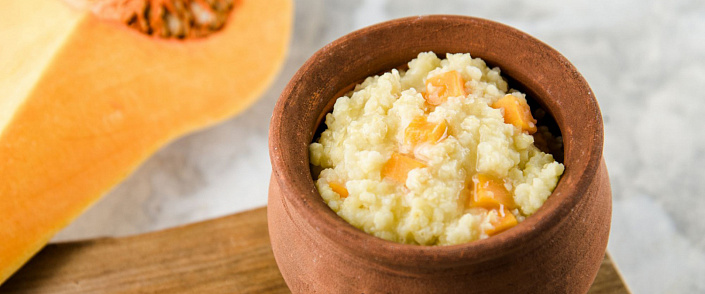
(85, 98)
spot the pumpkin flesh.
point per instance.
(102, 97)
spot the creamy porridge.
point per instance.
(439, 154)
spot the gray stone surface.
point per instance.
(645, 61)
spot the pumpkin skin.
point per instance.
(84, 101)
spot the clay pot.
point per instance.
(557, 250)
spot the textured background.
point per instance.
(645, 61)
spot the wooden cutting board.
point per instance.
(225, 255)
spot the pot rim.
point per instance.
(583, 142)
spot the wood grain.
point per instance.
(225, 255)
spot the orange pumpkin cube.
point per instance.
(398, 167)
(489, 192)
(339, 188)
(505, 220)
(442, 86)
(420, 130)
(516, 112)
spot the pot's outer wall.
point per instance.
(564, 260)
(557, 250)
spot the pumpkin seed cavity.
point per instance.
(177, 19)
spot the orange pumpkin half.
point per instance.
(89, 91)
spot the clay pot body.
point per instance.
(557, 250)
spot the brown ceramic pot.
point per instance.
(557, 250)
